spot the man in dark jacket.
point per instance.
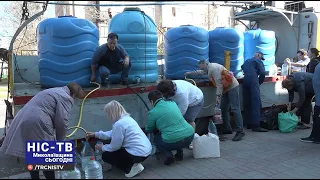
(254, 74)
(110, 58)
(315, 134)
(300, 82)
(313, 54)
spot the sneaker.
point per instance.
(136, 169)
(191, 147)
(307, 139)
(169, 161)
(238, 136)
(179, 156)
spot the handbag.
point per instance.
(226, 79)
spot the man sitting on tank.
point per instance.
(110, 58)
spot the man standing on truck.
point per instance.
(254, 75)
(110, 58)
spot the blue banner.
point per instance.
(50, 152)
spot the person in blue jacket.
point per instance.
(315, 133)
(254, 74)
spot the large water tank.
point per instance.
(65, 47)
(223, 39)
(184, 47)
(138, 35)
(260, 40)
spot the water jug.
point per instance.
(217, 116)
(212, 127)
(74, 174)
(86, 153)
(206, 146)
(98, 154)
(93, 170)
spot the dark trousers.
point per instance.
(315, 133)
(104, 72)
(231, 99)
(166, 148)
(122, 159)
(47, 174)
(306, 109)
(251, 101)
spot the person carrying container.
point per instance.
(254, 75)
(315, 133)
(300, 82)
(227, 92)
(129, 144)
(188, 97)
(110, 58)
(43, 118)
(175, 133)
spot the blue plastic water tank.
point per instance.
(184, 47)
(65, 47)
(260, 40)
(223, 39)
(137, 33)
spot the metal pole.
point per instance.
(98, 11)
(73, 9)
(208, 17)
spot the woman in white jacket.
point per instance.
(187, 96)
(129, 145)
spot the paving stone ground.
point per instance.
(258, 156)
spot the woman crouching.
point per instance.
(129, 145)
(175, 132)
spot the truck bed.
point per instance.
(94, 118)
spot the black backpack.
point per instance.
(269, 118)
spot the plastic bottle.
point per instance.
(98, 154)
(78, 160)
(74, 174)
(86, 153)
(57, 174)
(217, 116)
(212, 127)
(93, 170)
(284, 70)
